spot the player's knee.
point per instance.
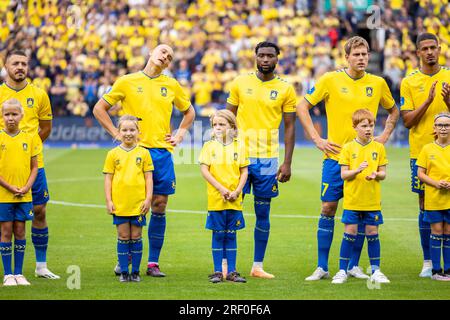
(371, 230)
(39, 213)
(437, 228)
(329, 208)
(159, 205)
(19, 233)
(219, 236)
(263, 224)
(230, 236)
(6, 234)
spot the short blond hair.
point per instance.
(355, 42)
(227, 115)
(362, 114)
(128, 117)
(13, 102)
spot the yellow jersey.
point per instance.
(151, 100)
(261, 105)
(436, 161)
(224, 162)
(359, 193)
(128, 182)
(15, 162)
(344, 95)
(36, 106)
(414, 90)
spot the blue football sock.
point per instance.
(446, 251)
(262, 227)
(218, 239)
(424, 231)
(19, 254)
(346, 250)
(122, 254)
(324, 239)
(231, 246)
(373, 246)
(435, 250)
(6, 252)
(136, 254)
(357, 246)
(39, 237)
(156, 230)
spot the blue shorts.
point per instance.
(371, 218)
(139, 221)
(332, 188)
(225, 220)
(417, 186)
(39, 189)
(164, 181)
(437, 216)
(16, 211)
(262, 175)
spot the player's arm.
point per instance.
(45, 128)
(148, 192)
(441, 184)
(101, 114)
(9, 187)
(32, 177)
(347, 174)
(108, 193)
(232, 108)
(412, 117)
(389, 126)
(446, 94)
(186, 123)
(307, 123)
(242, 180)
(284, 172)
(380, 174)
(212, 181)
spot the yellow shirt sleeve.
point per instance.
(45, 111)
(36, 145)
(291, 100)
(204, 157)
(233, 98)
(344, 156)
(422, 159)
(319, 92)
(117, 92)
(148, 163)
(109, 163)
(387, 101)
(181, 101)
(405, 97)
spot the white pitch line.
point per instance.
(99, 206)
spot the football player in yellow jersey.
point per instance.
(261, 100)
(16, 179)
(363, 165)
(344, 91)
(37, 120)
(434, 170)
(422, 96)
(223, 164)
(150, 95)
(128, 189)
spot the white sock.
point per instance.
(41, 265)
(224, 261)
(257, 265)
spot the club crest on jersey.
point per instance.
(235, 156)
(30, 102)
(140, 90)
(138, 161)
(117, 162)
(273, 94)
(374, 155)
(164, 91)
(25, 146)
(369, 91)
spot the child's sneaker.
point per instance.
(357, 273)
(9, 280)
(440, 276)
(135, 277)
(258, 272)
(379, 277)
(21, 280)
(153, 270)
(426, 269)
(235, 277)
(216, 277)
(124, 277)
(340, 277)
(318, 274)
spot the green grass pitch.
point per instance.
(83, 236)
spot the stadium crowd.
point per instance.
(79, 47)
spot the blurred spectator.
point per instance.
(78, 107)
(58, 93)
